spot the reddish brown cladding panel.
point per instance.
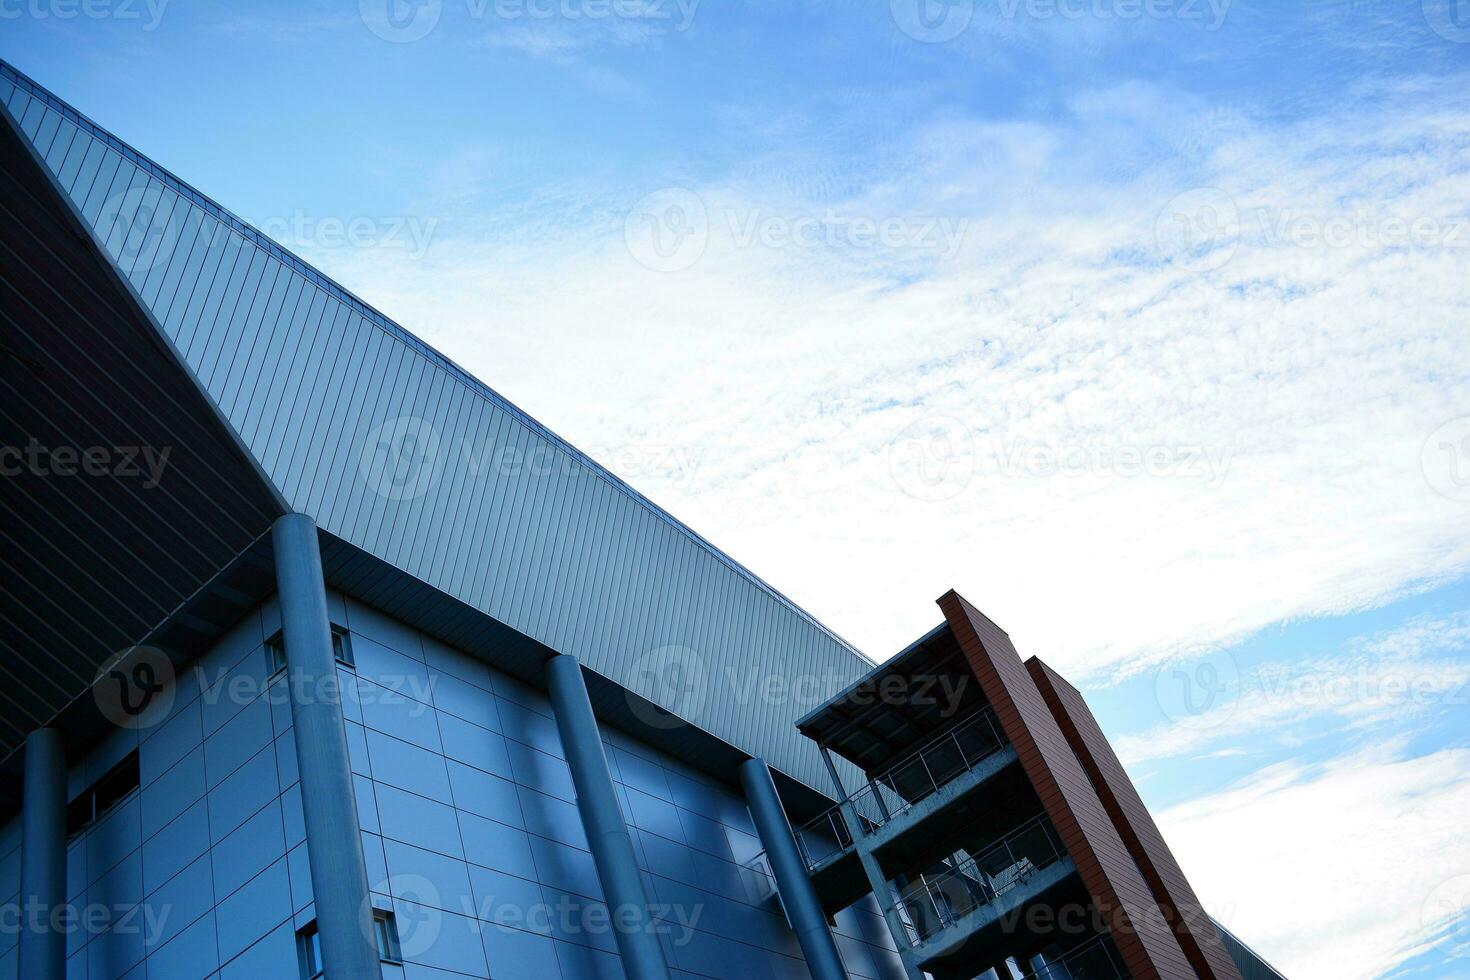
(1197, 934)
(1147, 944)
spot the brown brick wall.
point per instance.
(1148, 946)
(1198, 937)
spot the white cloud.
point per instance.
(1391, 678)
(1397, 867)
(1290, 391)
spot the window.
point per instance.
(309, 944)
(385, 927)
(309, 951)
(275, 649)
(342, 646)
(120, 782)
(275, 653)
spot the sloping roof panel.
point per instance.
(397, 450)
(122, 490)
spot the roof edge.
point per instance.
(398, 332)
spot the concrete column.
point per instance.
(798, 896)
(607, 835)
(344, 916)
(882, 891)
(43, 856)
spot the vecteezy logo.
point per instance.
(400, 458)
(1200, 694)
(668, 230)
(1445, 459)
(674, 679)
(1199, 230)
(932, 21)
(1445, 905)
(400, 21)
(135, 688)
(932, 459)
(1450, 19)
(139, 227)
(417, 914)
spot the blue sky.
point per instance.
(1142, 324)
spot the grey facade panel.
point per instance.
(466, 817)
(488, 507)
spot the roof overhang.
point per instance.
(130, 513)
(881, 717)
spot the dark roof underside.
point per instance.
(882, 718)
(103, 537)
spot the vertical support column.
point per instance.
(344, 915)
(797, 894)
(43, 856)
(607, 835)
(832, 771)
(882, 892)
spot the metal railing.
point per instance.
(1093, 960)
(930, 768)
(935, 902)
(917, 777)
(823, 837)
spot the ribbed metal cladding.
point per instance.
(95, 558)
(524, 528)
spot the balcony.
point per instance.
(939, 902)
(928, 770)
(918, 778)
(824, 838)
(1093, 960)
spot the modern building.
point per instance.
(321, 658)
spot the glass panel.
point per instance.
(387, 935)
(275, 653)
(342, 646)
(309, 951)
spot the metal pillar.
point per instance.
(344, 915)
(798, 896)
(607, 834)
(43, 856)
(882, 892)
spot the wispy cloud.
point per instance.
(1389, 678)
(1396, 879)
(1187, 442)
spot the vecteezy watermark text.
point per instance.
(405, 21)
(404, 458)
(670, 229)
(146, 919)
(938, 21)
(410, 234)
(145, 463)
(1203, 228)
(937, 458)
(148, 11)
(674, 683)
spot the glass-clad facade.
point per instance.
(468, 822)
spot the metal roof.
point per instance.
(317, 384)
(124, 492)
(886, 714)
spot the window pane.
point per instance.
(275, 651)
(342, 646)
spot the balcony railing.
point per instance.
(920, 775)
(823, 837)
(938, 901)
(1093, 960)
(935, 765)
